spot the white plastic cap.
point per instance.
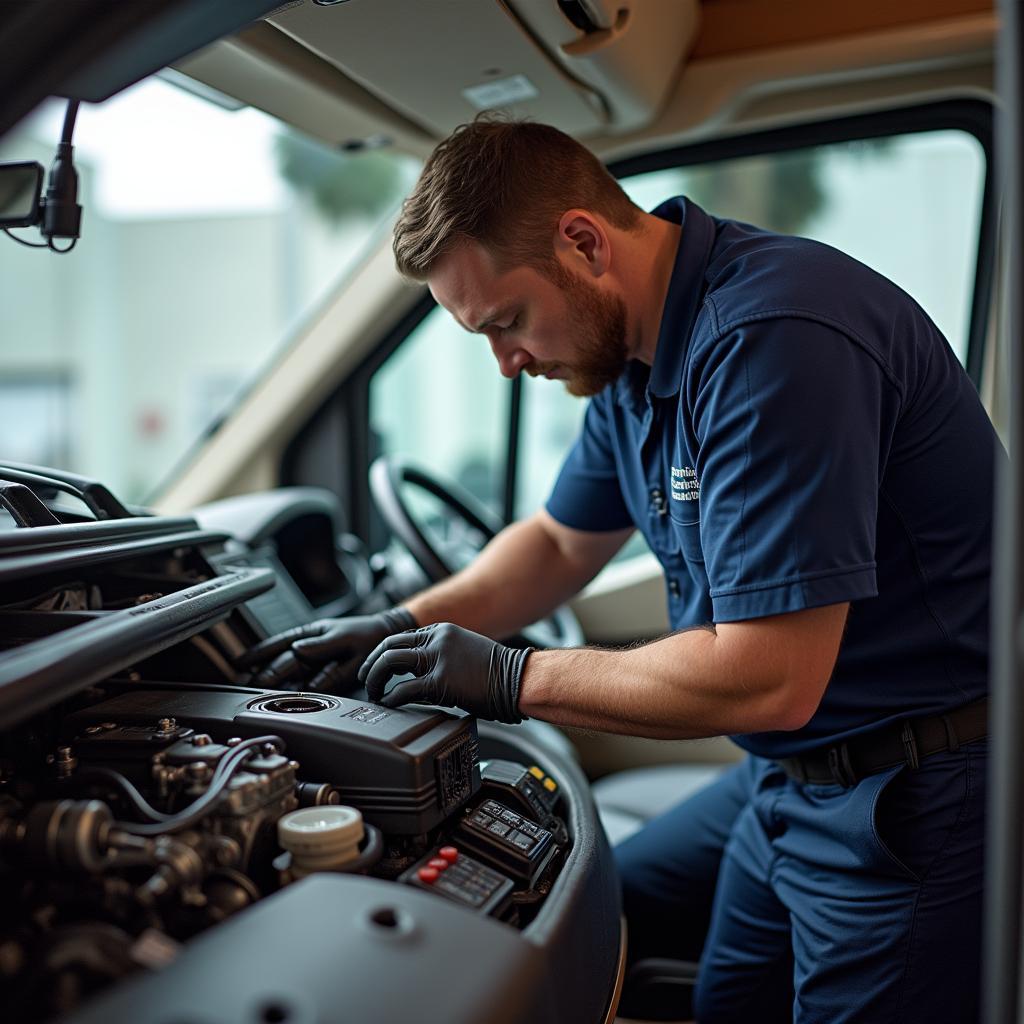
(321, 838)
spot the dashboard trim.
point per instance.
(35, 676)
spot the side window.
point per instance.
(438, 399)
(550, 419)
(909, 206)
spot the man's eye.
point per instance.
(513, 325)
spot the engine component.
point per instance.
(531, 789)
(452, 873)
(512, 843)
(61, 833)
(316, 794)
(405, 771)
(320, 838)
(140, 795)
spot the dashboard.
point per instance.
(177, 845)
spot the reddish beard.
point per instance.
(599, 324)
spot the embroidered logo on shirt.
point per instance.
(685, 485)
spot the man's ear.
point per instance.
(583, 243)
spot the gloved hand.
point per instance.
(452, 667)
(339, 645)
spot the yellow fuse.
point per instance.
(550, 785)
(536, 772)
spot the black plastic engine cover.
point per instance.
(344, 948)
(406, 771)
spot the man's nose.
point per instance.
(511, 358)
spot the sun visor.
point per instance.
(441, 64)
(268, 70)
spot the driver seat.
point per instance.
(654, 989)
(627, 800)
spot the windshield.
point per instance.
(209, 235)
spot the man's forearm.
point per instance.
(521, 576)
(740, 678)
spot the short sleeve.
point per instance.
(587, 494)
(793, 421)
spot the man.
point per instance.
(813, 469)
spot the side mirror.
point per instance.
(21, 185)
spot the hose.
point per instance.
(126, 789)
(197, 810)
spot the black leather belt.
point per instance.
(906, 743)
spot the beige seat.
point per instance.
(655, 990)
(627, 800)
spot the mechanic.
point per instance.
(814, 470)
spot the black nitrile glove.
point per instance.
(452, 667)
(339, 645)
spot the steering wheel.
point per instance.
(388, 479)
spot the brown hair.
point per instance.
(504, 184)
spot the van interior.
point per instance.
(226, 414)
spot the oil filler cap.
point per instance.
(295, 704)
(321, 838)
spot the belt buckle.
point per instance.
(909, 745)
(840, 767)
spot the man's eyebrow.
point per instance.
(490, 318)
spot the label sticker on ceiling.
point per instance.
(501, 93)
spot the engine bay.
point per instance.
(152, 803)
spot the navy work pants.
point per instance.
(818, 903)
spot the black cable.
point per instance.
(53, 248)
(61, 211)
(69, 121)
(21, 241)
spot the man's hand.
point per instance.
(452, 667)
(339, 645)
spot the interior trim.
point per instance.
(714, 95)
(737, 26)
(620, 972)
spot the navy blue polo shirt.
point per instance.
(805, 437)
